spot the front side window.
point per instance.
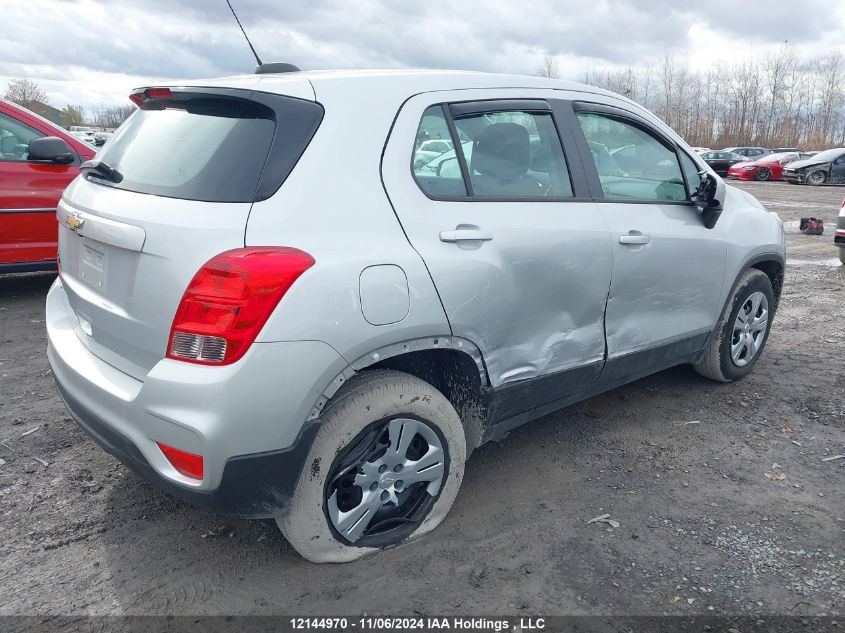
(691, 173)
(631, 163)
(15, 137)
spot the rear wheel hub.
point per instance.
(384, 484)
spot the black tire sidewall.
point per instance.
(763, 172)
(758, 282)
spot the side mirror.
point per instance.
(50, 149)
(709, 198)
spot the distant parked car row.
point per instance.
(768, 167)
(95, 138)
(783, 163)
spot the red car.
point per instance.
(38, 159)
(769, 167)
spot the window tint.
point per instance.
(438, 175)
(201, 148)
(631, 163)
(690, 169)
(14, 139)
(513, 155)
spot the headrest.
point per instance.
(502, 151)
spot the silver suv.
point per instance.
(270, 307)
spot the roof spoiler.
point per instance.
(275, 67)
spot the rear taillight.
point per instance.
(229, 300)
(186, 463)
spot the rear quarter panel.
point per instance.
(334, 207)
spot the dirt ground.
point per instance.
(724, 501)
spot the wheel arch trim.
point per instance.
(748, 264)
(433, 342)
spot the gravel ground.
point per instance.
(724, 502)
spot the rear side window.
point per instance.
(209, 148)
(437, 172)
(514, 155)
(631, 163)
(506, 154)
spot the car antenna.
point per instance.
(246, 37)
(262, 68)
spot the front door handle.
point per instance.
(461, 235)
(634, 239)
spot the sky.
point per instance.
(91, 52)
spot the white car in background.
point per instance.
(429, 150)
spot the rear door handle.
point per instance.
(460, 235)
(634, 239)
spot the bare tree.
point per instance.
(111, 116)
(28, 94)
(549, 67)
(781, 100)
(776, 66)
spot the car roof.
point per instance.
(306, 84)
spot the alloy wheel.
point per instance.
(749, 329)
(816, 178)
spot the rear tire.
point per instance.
(727, 357)
(312, 522)
(763, 174)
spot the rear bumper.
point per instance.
(252, 486)
(247, 420)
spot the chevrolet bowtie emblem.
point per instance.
(73, 221)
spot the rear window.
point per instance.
(209, 148)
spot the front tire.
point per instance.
(743, 329)
(816, 178)
(385, 468)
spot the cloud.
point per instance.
(90, 52)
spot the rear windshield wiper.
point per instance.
(102, 170)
